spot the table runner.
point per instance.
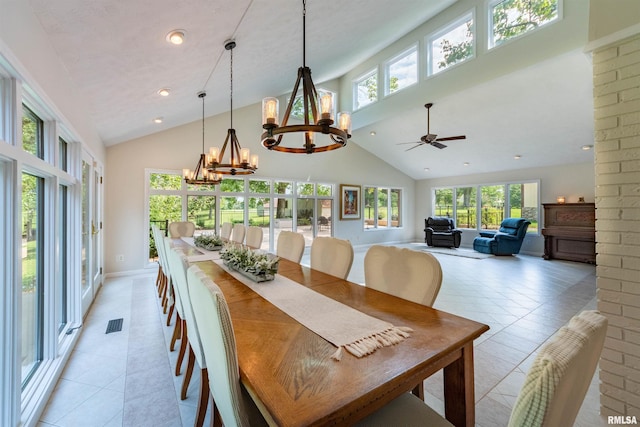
(341, 325)
(197, 253)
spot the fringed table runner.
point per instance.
(341, 325)
(195, 253)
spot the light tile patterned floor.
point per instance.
(125, 378)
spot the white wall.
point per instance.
(24, 44)
(180, 147)
(571, 181)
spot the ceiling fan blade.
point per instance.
(451, 138)
(412, 142)
(417, 145)
(438, 145)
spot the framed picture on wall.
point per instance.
(349, 201)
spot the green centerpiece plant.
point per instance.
(258, 266)
(210, 242)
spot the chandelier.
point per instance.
(241, 162)
(200, 175)
(318, 114)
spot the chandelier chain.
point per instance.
(231, 87)
(304, 33)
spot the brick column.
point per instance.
(616, 92)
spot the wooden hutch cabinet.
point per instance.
(570, 231)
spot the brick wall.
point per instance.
(616, 91)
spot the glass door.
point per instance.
(91, 227)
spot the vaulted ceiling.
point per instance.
(117, 55)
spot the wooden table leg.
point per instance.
(459, 396)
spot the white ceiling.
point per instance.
(117, 55)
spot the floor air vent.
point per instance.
(114, 325)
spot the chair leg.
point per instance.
(177, 332)
(159, 275)
(163, 280)
(187, 376)
(203, 399)
(183, 347)
(171, 309)
(216, 419)
(165, 295)
(419, 390)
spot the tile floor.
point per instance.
(126, 378)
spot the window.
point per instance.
(492, 206)
(466, 207)
(512, 18)
(497, 202)
(452, 45)
(64, 154)
(32, 133)
(201, 210)
(382, 208)
(365, 90)
(444, 202)
(63, 259)
(401, 71)
(32, 274)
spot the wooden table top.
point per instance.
(290, 370)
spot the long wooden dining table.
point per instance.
(289, 372)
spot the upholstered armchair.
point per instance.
(440, 231)
(506, 241)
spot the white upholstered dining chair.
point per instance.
(231, 400)
(290, 246)
(237, 233)
(190, 335)
(181, 229)
(553, 390)
(254, 237)
(405, 273)
(332, 256)
(225, 231)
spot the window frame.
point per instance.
(394, 60)
(376, 220)
(442, 31)
(374, 72)
(506, 209)
(491, 42)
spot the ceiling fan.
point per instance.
(430, 138)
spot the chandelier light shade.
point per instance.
(318, 115)
(200, 175)
(241, 161)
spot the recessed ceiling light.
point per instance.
(587, 147)
(517, 157)
(176, 37)
(372, 133)
(164, 92)
(157, 120)
(466, 163)
(427, 169)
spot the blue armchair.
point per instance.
(506, 241)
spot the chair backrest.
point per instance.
(290, 246)
(254, 237)
(514, 226)
(438, 223)
(177, 297)
(155, 232)
(181, 229)
(210, 309)
(237, 234)
(225, 230)
(332, 256)
(179, 265)
(561, 373)
(411, 275)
